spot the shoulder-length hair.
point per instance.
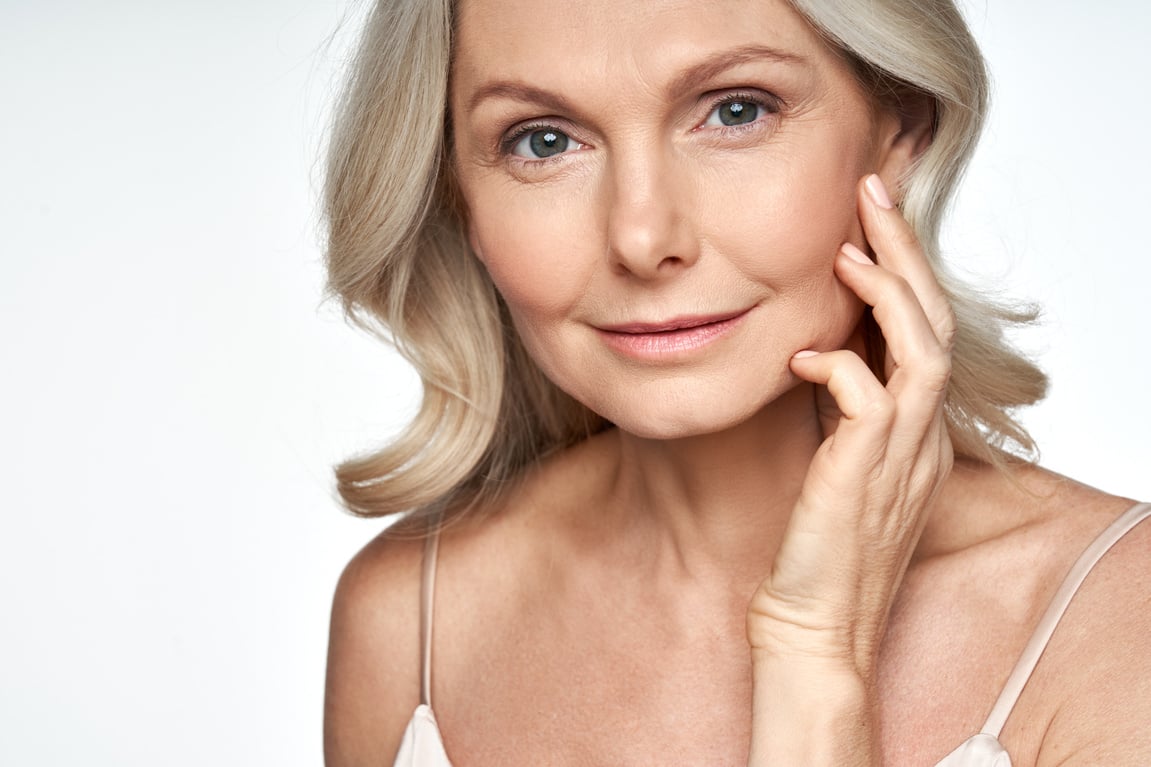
(399, 259)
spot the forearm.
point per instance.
(811, 714)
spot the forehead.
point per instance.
(611, 41)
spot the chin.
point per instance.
(671, 415)
(667, 431)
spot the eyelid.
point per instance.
(516, 134)
(507, 142)
(770, 103)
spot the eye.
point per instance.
(735, 111)
(541, 143)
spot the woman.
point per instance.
(715, 463)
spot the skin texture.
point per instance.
(755, 213)
(770, 560)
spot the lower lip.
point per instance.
(669, 344)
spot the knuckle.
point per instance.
(894, 289)
(945, 324)
(936, 372)
(901, 287)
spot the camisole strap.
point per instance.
(427, 609)
(1050, 620)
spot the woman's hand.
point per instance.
(816, 622)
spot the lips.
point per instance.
(667, 341)
(668, 326)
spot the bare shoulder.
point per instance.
(1098, 666)
(489, 562)
(373, 653)
(1089, 698)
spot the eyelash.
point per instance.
(508, 143)
(769, 104)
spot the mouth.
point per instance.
(673, 325)
(670, 340)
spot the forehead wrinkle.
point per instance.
(669, 73)
(710, 67)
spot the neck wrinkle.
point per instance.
(719, 503)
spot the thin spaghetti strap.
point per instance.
(1050, 620)
(427, 609)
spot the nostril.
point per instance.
(649, 241)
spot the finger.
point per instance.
(898, 249)
(874, 433)
(867, 408)
(910, 338)
(856, 453)
(919, 367)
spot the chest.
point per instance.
(619, 686)
(599, 684)
(951, 644)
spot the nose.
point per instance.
(649, 229)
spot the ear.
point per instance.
(907, 126)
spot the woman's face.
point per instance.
(658, 190)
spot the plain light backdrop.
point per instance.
(173, 391)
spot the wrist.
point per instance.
(811, 712)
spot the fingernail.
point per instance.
(878, 192)
(855, 254)
(804, 354)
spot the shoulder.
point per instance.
(1089, 698)
(373, 653)
(1097, 669)
(490, 563)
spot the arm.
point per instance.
(816, 622)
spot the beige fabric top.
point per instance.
(423, 746)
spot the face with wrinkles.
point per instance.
(658, 190)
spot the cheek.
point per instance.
(783, 225)
(528, 250)
(792, 225)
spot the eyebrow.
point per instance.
(712, 66)
(519, 91)
(718, 63)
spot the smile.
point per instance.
(671, 339)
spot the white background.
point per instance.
(173, 391)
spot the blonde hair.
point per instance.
(399, 260)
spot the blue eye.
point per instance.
(542, 143)
(734, 112)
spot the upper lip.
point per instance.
(676, 323)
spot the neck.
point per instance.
(718, 504)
